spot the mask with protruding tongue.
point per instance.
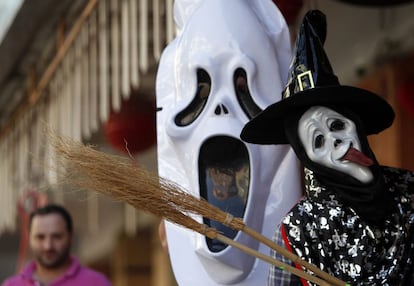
(357, 157)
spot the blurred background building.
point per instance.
(87, 68)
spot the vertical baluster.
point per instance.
(85, 78)
(53, 124)
(14, 187)
(125, 56)
(115, 38)
(42, 142)
(54, 109)
(20, 154)
(9, 202)
(133, 9)
(12, 174)
(143, 35)
(24, 152)
(156, 29)
(7, 176)
(169, 20)
(32, 142)
(3, 185)
(66, 102)
(62, 96)
(77, 92)
(8, 184)
(103, 62)
(37, 170)
(98, 72)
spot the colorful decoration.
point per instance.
(290, 9)
(132, 129)
(405, 96)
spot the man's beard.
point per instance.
(58, 260)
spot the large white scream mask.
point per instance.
(328, 137)
(228, 62)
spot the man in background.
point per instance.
(51, 235)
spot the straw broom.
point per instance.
(124, 180)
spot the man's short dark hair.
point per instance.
(53, 209)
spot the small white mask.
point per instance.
(327, 136)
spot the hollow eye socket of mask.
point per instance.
(243, 95)
(335, 125)
(196, 106)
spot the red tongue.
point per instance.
(357, 157)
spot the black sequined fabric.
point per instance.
(332, 236)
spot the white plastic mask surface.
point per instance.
(228, 62)
(327, 136)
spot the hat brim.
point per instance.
(268, 128)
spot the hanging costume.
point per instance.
(355, 221)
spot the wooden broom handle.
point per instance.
(272, 261)
(296, 259)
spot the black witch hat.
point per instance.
(312, 82)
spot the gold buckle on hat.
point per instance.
(305, 79)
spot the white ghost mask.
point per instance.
(228, 62)
(327, 137)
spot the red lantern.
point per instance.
(405, 96)
(289, 9)
(132, 129)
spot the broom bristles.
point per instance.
(124, 180)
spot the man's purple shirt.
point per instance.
(75, 275)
